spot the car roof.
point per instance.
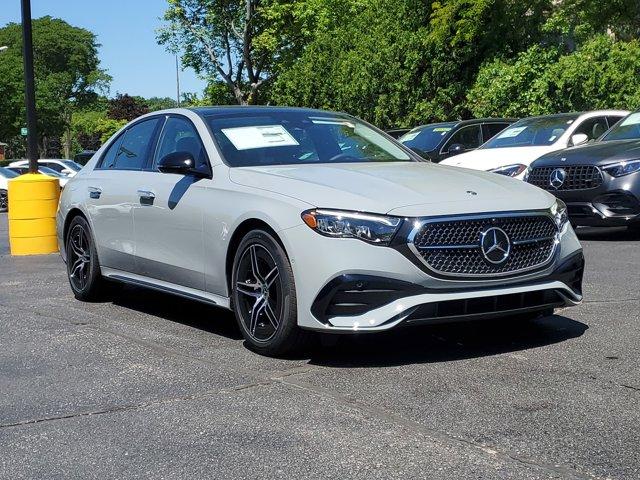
(255, 109)
(472, 121)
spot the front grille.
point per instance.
(578, 177)
(452, 247)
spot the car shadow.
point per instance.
(208, 318)
(607, 234)
(445, 343)
(402, 346)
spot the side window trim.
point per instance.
(157, 135)
(117, 141)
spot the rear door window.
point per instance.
(132, 149)
(490, 130)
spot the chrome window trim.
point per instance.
(421, 222)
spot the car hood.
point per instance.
(598, 153)
(490, 158)
(400, 188)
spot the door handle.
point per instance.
(146, 197)
(94, 192)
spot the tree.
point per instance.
(238, 42)
(67, 77)
(126, 107)
(158, 103)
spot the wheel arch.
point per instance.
(239, 233)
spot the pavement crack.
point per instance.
(630, 387)
(436, 435)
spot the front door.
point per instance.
(168, 215)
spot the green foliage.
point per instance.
(67, 76)
(602, 73)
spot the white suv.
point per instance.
(513, 150)
(302, 220)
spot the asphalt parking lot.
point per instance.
(159, 387)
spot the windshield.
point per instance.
(426, 138)
(296, 138)
(6, 173)
(627, 129)
(532, 132)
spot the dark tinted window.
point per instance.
(470, 137)
(179, 135)
(613, 120)
(492, 129)
(131, 150)
(426, 138)
(299, 137)
(592, 127)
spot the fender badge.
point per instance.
(471, 192)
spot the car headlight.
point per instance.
(377, 229)
(560, 214)
(510, 170)
(623, 168)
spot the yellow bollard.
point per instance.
(33, 202)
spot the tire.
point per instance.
(4, 201)
(83, 268)
(264, 296)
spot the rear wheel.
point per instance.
(4, 201)
(83, 268)
(264, 296)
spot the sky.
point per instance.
(126, 31)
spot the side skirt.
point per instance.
(166, 287)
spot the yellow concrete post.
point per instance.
(33, 202)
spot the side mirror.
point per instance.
(579, 139)
(455, 149)
(182, 163)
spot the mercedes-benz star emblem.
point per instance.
(495, 245)
(557, 178)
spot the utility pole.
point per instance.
(29, 87)
(177, 83)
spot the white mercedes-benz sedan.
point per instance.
(306, 220)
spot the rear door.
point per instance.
(168, 212)
(112, 194)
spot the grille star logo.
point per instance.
(495, 245)
(557, 178)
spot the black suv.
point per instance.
(437, 141)
(600, 181)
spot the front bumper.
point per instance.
(346, 285)
(614, 203)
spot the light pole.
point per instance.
(177, 83)
(29, 87)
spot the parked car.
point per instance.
(5, 175)
(83, 157)
(512, 151)
(599, 182)
(305, 220)
(67, 168)
(397, 132)
(62, 179)
(438, 141)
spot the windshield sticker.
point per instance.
(263, 136)
(512, 132)
(442, 129)
(552, 138)
(407, 137)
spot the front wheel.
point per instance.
(264, 296)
